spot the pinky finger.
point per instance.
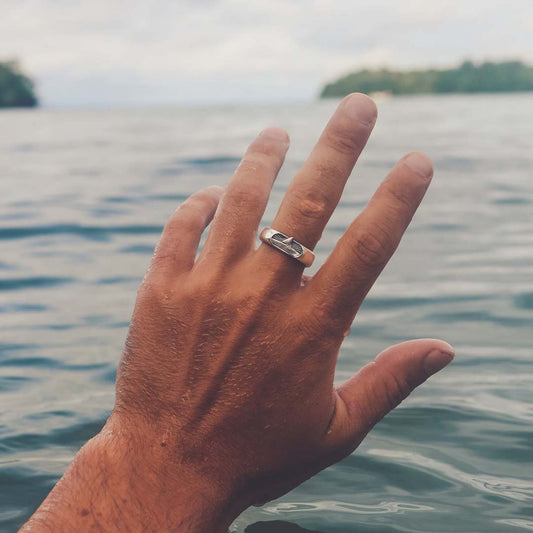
(177, 247)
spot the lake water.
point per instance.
(84, 195)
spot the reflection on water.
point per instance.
(84, 197)
(276, 526)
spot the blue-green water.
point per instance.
(84, 195)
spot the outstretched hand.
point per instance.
(225, 394)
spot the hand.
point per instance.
(225, 393)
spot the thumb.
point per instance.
(380, 386)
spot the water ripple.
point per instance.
(72, 435)
(393, 507)
(518, 522)
(524, 301)
(95, 233)
(509, 488)
(83, 212)
(14, 284)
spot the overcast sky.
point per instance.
(113, 52)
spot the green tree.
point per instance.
(16, 89)
(508, 76)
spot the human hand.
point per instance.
(225, 394)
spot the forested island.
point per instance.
(488, 77)
(16, 89)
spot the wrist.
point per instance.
(120, 482)
(156, 487)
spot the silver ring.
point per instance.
(288, 246)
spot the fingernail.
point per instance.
(278, 134)
(436, 360)
(361, 108)
(420, 163)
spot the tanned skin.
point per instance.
(225, 394)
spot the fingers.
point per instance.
(316, 189)
(234, 228)
(179, 241)
(341, 284)
(382, 385)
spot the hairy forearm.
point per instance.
(113, 486)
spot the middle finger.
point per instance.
(317, 187)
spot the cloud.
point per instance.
(151, 51)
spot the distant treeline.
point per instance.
(487, 77)
(16, 89)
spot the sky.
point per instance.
(190, 52)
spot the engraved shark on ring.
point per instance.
(288, 246)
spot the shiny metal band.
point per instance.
(288, 246)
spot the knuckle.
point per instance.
(312, 204)
(153, 293)
(205, 285)
(190, 212)
(267, 147)
(328, 171)
(254, 163)
(192, 207)
(342, 140)
(163, 256)
(249, 194)
(372, 248)
(320, 325)
(401, 196)
(310, 327)
(396, 390)
(203, 199)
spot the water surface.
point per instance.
(84, 195)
